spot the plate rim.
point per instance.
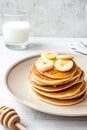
(30, 105)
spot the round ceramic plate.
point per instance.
(18, 85)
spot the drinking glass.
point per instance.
(16, 30)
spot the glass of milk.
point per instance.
(16, 31)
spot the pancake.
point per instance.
(43, 80)
(55, 74)
(65, 102)
(65, 94)
(58, 87)
(82, 90)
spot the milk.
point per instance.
(16, 32)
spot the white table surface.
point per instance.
(32, 119)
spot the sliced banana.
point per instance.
(63, 65)
(44, 65)
(65, 57)
(49, 55)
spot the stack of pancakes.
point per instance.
(58, 87)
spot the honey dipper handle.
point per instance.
(20, 126)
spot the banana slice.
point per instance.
(63, 65)
(49, 55)
(44, 65)
(65, 57)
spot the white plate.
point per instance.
(17, 84)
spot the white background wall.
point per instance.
(61, 18)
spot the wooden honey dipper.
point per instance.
(9, 118)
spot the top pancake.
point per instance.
(55, 74)
(40, 79)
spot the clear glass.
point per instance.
(16, 30)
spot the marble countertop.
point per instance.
(32, 119)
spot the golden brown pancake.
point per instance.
(65, 94)
(55, 74)
(82, 90)
(65, 102)
(43, 80)
(58, 87)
